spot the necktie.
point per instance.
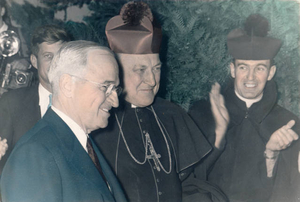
(95, 160)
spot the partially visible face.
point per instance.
(43, 59)
(91, 105)
(251, 76)
(141, 76)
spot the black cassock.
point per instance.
(241, 171)
(171, 137)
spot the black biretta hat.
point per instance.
(252, 43)
(133, 31)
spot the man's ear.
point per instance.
(33, 61)
(66, 85)
(232, 70)
(272, 72)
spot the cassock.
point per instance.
(151, 148)
(241, 171)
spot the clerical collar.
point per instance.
(76, 129)
(4, 27)
(249, 102)
(133, 106)
(43, 99)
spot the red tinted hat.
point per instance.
(252, 43)
(133, 31)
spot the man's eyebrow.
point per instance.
(262, 65)
(242, 64)
(158, 64)
(248, 65)
(48, 52)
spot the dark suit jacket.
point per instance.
(19, 111)
(49, 164)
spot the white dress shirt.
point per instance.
(43, 99)
(76, 129)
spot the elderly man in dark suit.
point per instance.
(56, 160)
(20, 109)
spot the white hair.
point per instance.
(72, 59)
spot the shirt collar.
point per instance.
(249, 102)
(43, 99)
(76, 129)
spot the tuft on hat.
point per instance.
(252, 43)
(133, 31)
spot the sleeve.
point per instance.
(201, 190)
(192, 144)
(201, 114)
(286, 173)
(30, 175)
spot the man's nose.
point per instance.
(113, 99)
(149, 78)
(251, 75)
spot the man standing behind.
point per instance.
(149, 140)
(257, 160)
(56, 160)
(20, 109)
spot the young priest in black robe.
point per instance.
(261, 157)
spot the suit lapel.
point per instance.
(75, 154)
(31, 104)
(110, 176)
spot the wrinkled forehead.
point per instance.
(98, 56)
(101, 61)
(132, 60)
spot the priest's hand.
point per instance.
(282, 138)
(3, 147)
(220, 114)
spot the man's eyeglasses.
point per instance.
(106, 88)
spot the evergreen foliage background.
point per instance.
(194, 52)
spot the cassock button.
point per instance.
(157, 180)
(160, 193)
(141, 120)
(144, 131)
(137, 110)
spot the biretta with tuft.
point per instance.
(134, 30)
(252, 42)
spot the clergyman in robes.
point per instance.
(150, 143)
